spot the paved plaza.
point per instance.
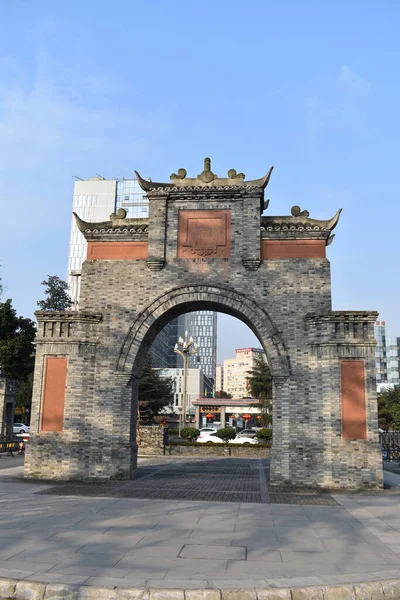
(237, 534)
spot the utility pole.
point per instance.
(185, 347)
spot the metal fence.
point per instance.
(390, 445)
(12, 445)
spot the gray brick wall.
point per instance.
(287, 303)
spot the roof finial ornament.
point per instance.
(207, 176)
(180, 175)
(297, 212)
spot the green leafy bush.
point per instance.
(190, 433)
(226, 434)
(264, 434)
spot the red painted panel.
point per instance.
(354, 418)
(54, 394)
(117, 250)
(281, 249)
(204, 233)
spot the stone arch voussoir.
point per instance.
(156, 315)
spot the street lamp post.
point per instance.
(179, 409)
(185, 347)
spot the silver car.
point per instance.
(20, 428)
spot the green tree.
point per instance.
(57, 294)
(389, 409)
(226, 434)
(260, 387)
(222, 394)
(155, 392)
(17, 352)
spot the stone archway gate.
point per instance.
(206, 245)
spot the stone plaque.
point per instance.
(204, 234)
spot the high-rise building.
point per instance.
(202, 326)
(94, 200)
(236, 371)
(387, 357)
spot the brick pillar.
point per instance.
(157, 232)
(251, 241)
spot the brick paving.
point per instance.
(213, 480)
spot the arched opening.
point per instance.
(200, 298)
(183, 300)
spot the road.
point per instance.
(7, 462)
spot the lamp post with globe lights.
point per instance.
(185, 347)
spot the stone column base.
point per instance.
(58, 459)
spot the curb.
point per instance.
(11, 589)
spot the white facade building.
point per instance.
(236, 371)
(94, 200)
(219, 378)
(387, 357)
(198, 386)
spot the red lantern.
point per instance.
(163, 423)
(258, 417)
(209, 416)
(246, 417)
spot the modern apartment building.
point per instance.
(235, 371)
(219, 379)
(387, 357)
(94, 200)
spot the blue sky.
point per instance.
(98, 87)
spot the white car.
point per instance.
(244, 440)
(207, 436)
(20, 428)
(208, 430)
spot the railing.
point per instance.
(390, 445)
(11, 445)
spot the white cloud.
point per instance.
(48, 116)
(352, 82)
(335, 102)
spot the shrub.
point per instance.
(264, 434)
(190, 433)
(226, 434)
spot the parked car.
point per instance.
(208, 430)
(207, 436)
(240, 439)
(247, 433)
(20, 428)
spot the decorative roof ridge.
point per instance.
(118, 222)
(205, 180)
(299, 220)
(202, 188)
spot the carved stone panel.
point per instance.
(204, 234)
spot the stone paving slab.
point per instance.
(113, 542)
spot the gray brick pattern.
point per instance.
(287, 303)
